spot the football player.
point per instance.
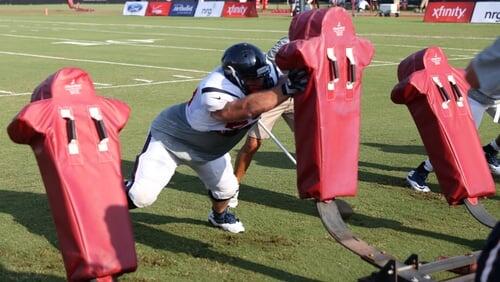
(200, 133)
(257, 133)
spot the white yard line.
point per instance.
(5, 92)
(395, 64)
(426, 36)
(149, 84)
(116, 86)
(381, 62)
(181, 76)
(15, 94)
(143, 80)
(422, 47)
(151, 26)
(382, 65)
(162, 34)
(108, 86)
(99, 62)
(47, 38)
(109, 42)
(200, 49)
(242, 30)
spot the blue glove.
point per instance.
(296, 82)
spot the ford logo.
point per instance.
(134, 7)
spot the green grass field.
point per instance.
(285, 239)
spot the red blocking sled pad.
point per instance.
(327, 122)
(436, 95)
(74, 135)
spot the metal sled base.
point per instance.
(390, 268)
(479, 212)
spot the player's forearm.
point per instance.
(251, 106)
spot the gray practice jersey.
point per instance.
(190, 132)
(487, 67)
(172, 128)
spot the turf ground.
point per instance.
(154, 62)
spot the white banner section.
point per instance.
(486, 12)
(135, 8)
(209, 9)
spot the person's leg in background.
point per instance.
(257, 134)
(491, 149)
(417, 177)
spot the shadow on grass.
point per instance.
(192, 184)
(156, 219)
(162, 240)
(375, 222)
(394, 181)
(382, 179)
(385, 167)
(274, 159)
(399, 149)
(24, 205)
(30, 210)
(7, 275)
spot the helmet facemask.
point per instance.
(261, 81)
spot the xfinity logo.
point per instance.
(339, 29)
(436, 60)
(448, 12)
(237, 10)
(73, 88)
(182, 8)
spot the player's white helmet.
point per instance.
(242, 62)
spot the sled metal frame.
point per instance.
(390, 268)
(478, 211)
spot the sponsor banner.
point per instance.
(486, 12)
(388, 8)
(239, 10)
(158, 8)
(135, 8)
(450, 12)
(209, 9)
(183, 8)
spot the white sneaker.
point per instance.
(233, 202)
(417, 181)
(227, 221)
(493, 163)
(495, 169)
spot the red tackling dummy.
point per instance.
(74, 135)
(328, 111)
(436, 95)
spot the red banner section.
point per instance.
(158, 8)
(454, 12)
(239, 10)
